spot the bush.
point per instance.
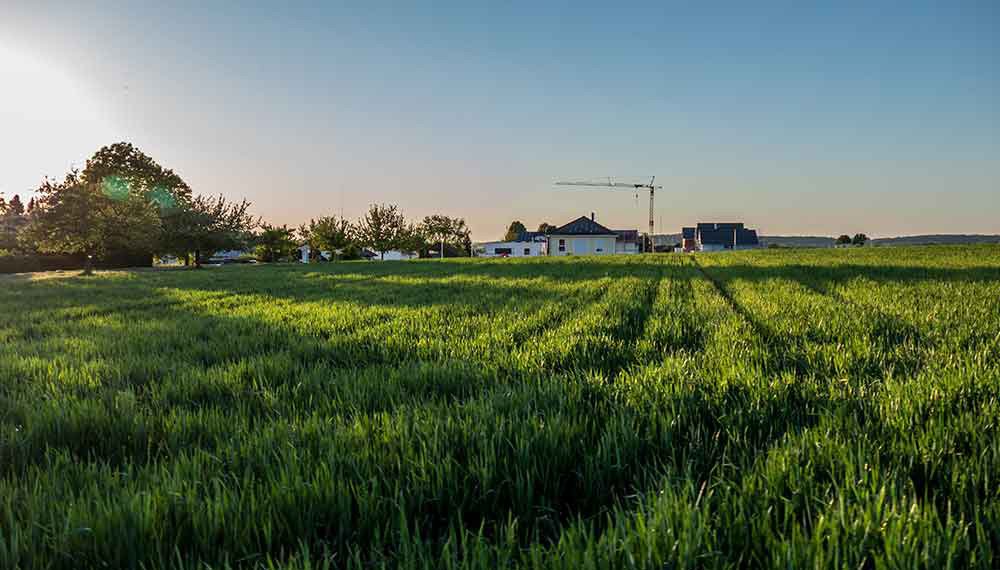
(32, 263)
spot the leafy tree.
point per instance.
(843, 239)
(122, 169)
(11, 223)
(446, 231)
(31, 206)
(412, 239)
(515, 229)
(15, 207)
(381, 228)
(547, 228)
(859, 239)
(275, 243)
(209, 224)
(78, 218)
(328, 233)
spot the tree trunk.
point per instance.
(187, 259)
(442, 248)
(88, 265)
(197, 259)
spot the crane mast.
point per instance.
(623, 186)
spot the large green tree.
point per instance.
(206, 224)
(381, 228)
(78, 218)
(122, 169)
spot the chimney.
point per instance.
(592, 216)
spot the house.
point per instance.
(305, 253)
(716, 236)
(391, 255)
(528, 244)
(628, 241)
(584, 236)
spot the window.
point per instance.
(562, 245)
(527, 251)
(599, 250)
(502, 251)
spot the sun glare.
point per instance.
(47, 119)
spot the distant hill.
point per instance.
(823, 241)
(797, 241)
(937, 239)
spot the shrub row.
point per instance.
(31, 263)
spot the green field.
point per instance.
(820, 409)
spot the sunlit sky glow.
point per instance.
(797, 117)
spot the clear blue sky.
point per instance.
(796, 117)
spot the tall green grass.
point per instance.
(815, 409)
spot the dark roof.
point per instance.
(687, 233)
(706, 226)
(717, 237)
(530, 236)
(729, 226)
(583, 226)
(627, 235)
(746, 237)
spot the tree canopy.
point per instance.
(844, 239)
(859, 239)
(445, 231)
(515, 229)
(275, 243)
(381, 228)
(209, 224)
(122, 169)
(329, 233)
(77, 217)
(547, 228)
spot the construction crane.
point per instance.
(610, 183)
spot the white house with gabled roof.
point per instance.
(582, 236)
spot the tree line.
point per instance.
(122, 201)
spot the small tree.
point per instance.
(859, 239)
(275, 243)
(445, 231)
(381, 228)
(203, 224)
(328, 233)
(15, 207)
(515, 229)
(412, 239)
(844, 240)
(546, 228)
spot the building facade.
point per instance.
(719, 236)
(583, 236)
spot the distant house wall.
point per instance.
(394, 255)
(514, 248)
(626, 247)
(561, 245)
